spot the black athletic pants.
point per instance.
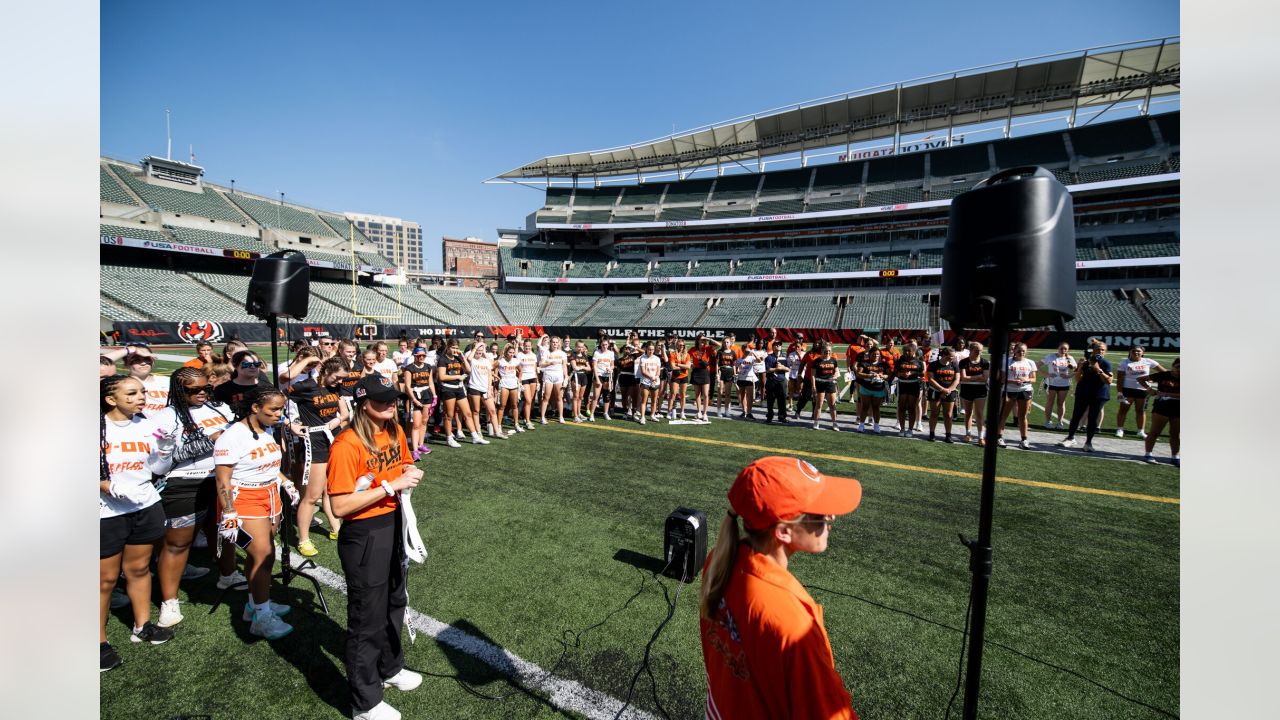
(775, 393)
(806, 397)
(1093, 406)
(372, 555)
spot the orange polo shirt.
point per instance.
(349, 459)
(767, 653)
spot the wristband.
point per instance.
(389, 490)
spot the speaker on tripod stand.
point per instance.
(1008, 262)
(280, 287)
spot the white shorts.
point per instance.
(509, 384)
(552, 378)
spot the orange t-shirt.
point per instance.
(349, 459)
(196, 363)
(851, 355)
(767, 654)
(678, 374)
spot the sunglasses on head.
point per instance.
(251, 363)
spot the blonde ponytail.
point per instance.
(716, 579)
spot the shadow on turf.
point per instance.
(470, 671)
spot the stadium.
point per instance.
(824, 219)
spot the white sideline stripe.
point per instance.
(564, 694)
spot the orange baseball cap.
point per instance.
(773, 489)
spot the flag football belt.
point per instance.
(254, 484)
(452, 386)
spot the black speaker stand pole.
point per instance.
(980, 549)
(287, 571)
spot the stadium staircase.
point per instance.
(497, 308)
(839, 322)
(591, 309)
(126, 310)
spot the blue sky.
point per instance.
(403, 108)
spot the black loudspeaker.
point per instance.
(280, 286)
(1010, 255)
(684, 544)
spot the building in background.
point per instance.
(400, 241)
(471, 260)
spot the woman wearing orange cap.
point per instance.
(765, 648)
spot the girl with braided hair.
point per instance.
(130, 519)
(196, 421)
(247, 468)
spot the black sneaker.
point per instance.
(948, 439)
(931, 437)
(109, 659)
(153, 634)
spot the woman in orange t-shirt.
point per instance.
(369, 468)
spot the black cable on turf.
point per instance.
(645, 666)
(564, 647)
(1002, 646)
(964, 641)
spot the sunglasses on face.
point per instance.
(251, 364)
(196, 389)
(818, 523)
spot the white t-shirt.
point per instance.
(793, 362)
(255, 463)
(211, 418)
(554, 373)
(157, 387)
(481, 376)
(745, 367)
(402, 358)
(758, 357)
(1059, 369)
(1134, 369)
(431, 359)
(528, 365)
(649, 367)
(508, 373)
(1019, 377)
(960, 355)
(603, 360)
(130, 450)
(387, 367)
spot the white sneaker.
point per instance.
(452, 442)
(641, 419)
(1025, 444)
(518, 428)
(192, 572)
(815, 426)
(1142, 434)
(862, 428)
(478, 439)
(1148, 458)
(606, 416)
(277, 609)
(1119, 433)
(171, 614)
(1088, 447)
(876, 428)
(1050, 425)
(591, 417)
(544, 421)
(835, 427)
(269, 626)
(460, 435)
(1067, 443)
(1000, 442)
(381, 711)
(235, 578)
(404, 681)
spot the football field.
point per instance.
(539, 597)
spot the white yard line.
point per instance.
(563, 694)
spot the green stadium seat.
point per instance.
(742, 209)
(597, 198)
(788, 182)
(209, 238)
(472, 306)
(736, 312)
(893, 196)
(689, 191)
(681, 213)
(590, 216)
(736, 187)
(135, 233)
(565, 309)
(206, 203)
(675, 312)
(755, 266)
(779, 207)
(521, 309)
(843, 263)
(617, 310)
(1143, 246)
(670, 268)
(1099, 173)
(1165, 305)
(708, 268)
(799, 265)
(285, 217)
(169, 296)
(641, 195)
(803, 311)
(629, 269)
(1102, 311)
(110, 190)
(889, 260)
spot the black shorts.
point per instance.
(824, 386)
(665, 375)
(423, 394)
(1167, 407)
(186, 500)
(626, 380)
(319, 442)
(1133, 394)
(582, 377)
(472, 391)
(1056, 388)
(726, 374)
(700, 376)
(448, 393)
(970, 391)
(680, 379)
(142, 527)
(938, 396)
(1018, 394)
(529, 381)
(746, 383)
(910, 389)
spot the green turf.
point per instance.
(539, 535)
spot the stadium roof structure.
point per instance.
(1092, 79)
